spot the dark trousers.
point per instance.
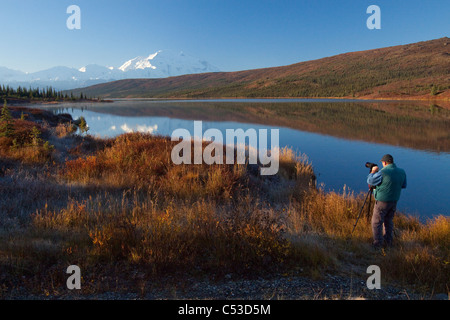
(382, 222)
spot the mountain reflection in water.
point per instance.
(337, 136)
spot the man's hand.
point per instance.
(374, 169)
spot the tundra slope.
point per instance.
(413, 71)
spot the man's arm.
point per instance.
(375, 179)
(404, 183)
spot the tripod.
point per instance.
(369, 195)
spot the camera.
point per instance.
(370, 165)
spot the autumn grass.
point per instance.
(419, 258)
(121, 207)
(25, 144)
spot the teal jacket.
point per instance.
(388, 183)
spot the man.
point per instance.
(388, 183)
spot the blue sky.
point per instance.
(233, 35)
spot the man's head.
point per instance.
(387, 160)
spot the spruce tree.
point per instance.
(6, 122)
(83, 125)
(35, 136)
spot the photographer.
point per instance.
(387, 184)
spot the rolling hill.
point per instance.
(413, 71)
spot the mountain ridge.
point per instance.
(161, 64)
(396, 72)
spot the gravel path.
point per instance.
(283, 288)
(330, 287)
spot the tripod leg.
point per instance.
(368, 208)
(359, 215)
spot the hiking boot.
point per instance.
(377, 247)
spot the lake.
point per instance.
(338, 136)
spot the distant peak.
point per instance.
(153, 55)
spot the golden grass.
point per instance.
(25, 145)
(161, 238)
(63, 130)
(420, 257)
(136, 211)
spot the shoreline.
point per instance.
(444, 102)
(23, 103)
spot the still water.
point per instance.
(337, 149)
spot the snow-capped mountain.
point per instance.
(95, 71)
(139, 63)
(160, 64)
